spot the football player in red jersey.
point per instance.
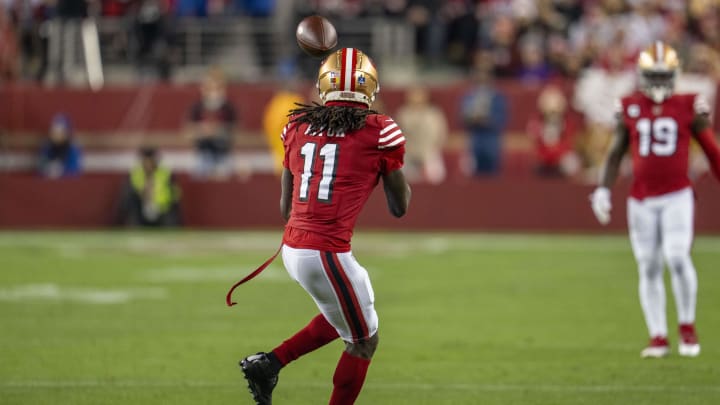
(335, 155)
(657, 126)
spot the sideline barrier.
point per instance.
(498, 204)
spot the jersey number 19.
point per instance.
(658, 136)
(328, 154)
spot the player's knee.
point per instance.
(678, 263)
(364, 348)
(649, 267)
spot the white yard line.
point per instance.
(186, 244)
(569, 388)
(54, 292)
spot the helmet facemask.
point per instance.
(657, 84)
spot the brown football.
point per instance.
(316, 36)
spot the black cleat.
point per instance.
(261, 377)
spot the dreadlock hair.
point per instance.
(331, 119)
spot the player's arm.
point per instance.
(392, 144)
(618, 149)
(600, 198)
(397, 192)
(286, 178)
(706, 138)
(286, 193)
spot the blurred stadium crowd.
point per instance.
(529, 40)
(577, 56)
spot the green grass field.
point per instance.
(139, 318)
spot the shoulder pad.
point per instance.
(378, 121)
(289, 128)
(390, 134)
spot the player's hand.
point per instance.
(601, 204)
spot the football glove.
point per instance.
(601, 204)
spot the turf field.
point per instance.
(139, 318)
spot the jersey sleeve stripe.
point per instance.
(393, 143)
(391, 136)
(284, 132)
(388, 128)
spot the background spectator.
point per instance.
(596, 93)
(535, 68)
(500, 45)
(32, 17)
(553, 132)
(426, 17)
(484, 112)
(65, 43)
(150, 197)
(152, 39)
(642, 25)
(275, 117)
(426, 130)
(213, 119)
(60, 156)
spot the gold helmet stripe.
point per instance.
(659, 52)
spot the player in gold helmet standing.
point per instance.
(657, 125)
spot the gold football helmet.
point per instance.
(348, 75)
(658, 65)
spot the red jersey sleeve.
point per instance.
(391, 143)
(707, 142)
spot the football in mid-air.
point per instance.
(316, 36)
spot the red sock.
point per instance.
(316, 334)
(348, 379)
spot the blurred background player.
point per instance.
(60, 156)
(151, 197)
(212, 121)
(657, 126)
(335, 154)
(427, 130)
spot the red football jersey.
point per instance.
(333, 178)
(660, 137)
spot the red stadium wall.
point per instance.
(25, 108)
(460, 204)
(511, 203)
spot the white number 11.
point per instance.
(328, 153)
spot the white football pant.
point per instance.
(661, 230)
(340, 287)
